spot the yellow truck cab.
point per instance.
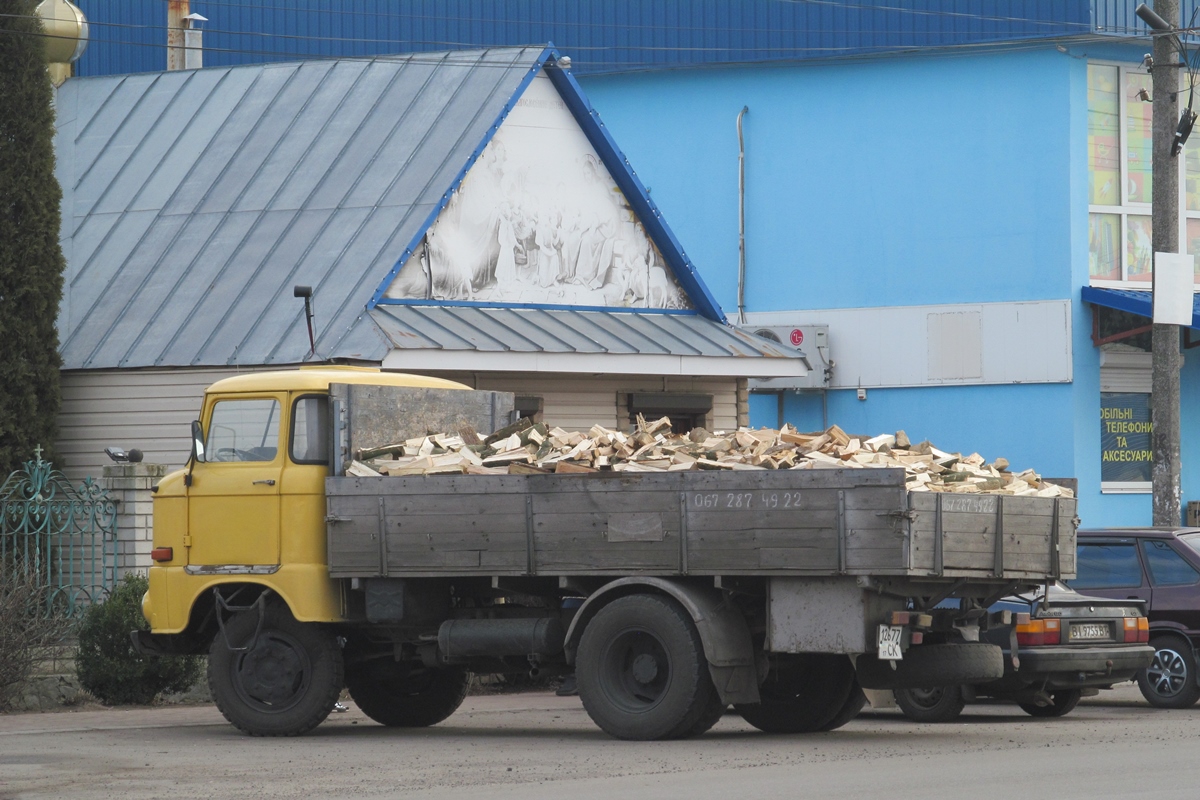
(250, 507)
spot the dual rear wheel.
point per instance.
(642, 674)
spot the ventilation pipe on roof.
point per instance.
(185, 40)
(741, 219)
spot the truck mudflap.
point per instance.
(933, 665)
(722, 627)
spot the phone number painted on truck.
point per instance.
(716, 501)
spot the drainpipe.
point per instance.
(741, 219)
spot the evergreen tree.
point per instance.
(31, 260)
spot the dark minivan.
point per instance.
(1162, 567)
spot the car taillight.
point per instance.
(1143, 628)
(1053, 631)
(1137, 629)
(1032, 632)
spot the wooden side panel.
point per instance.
(968, 526)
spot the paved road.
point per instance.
(535, 746)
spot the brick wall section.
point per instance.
(131, 485)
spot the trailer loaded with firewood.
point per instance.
(676, 575)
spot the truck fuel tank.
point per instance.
(469, 638)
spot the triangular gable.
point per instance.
(547, 213)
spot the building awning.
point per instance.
(1134, 301)
(454, 338)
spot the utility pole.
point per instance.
(1166, 361)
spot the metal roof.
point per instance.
(1135, 301)
(193, 201)
(517, 339)
(600, 36)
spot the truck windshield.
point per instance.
(243, 430)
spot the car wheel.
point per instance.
(1170, 680)
(1062, 703)
(936, 704)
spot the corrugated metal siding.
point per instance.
(603, 36)
(193, 201)
(1118, 17)
(151, 410)
(576, 402)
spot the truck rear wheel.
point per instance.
(642, 673)
(849, 710)
(285, 684)
(404, 695)
(801, 694)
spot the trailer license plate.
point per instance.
(889, 642)
(1093, 630)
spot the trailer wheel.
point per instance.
(285, 684)
(642, 673)
(937, 704)
(1064, 702)
(801, 694)
(849, 710)
(933, 665)
(406, 695)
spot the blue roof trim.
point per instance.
(631, 186)
(458, 179)
(1134, 301)
(618, 166)
(682, 312)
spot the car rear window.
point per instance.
(1192, 540)
(1106, 566)
(1167, 568)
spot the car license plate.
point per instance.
(889, 642)
(1091, 630)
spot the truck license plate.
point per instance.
(889, 642)
(1092, 630)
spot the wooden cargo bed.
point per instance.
(786, 522)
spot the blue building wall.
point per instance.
(602, 35)
(908, 180)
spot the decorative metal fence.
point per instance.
(65, 535)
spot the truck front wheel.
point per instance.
(404, 695)
(642, 673)
(802, 694)
(287, 680)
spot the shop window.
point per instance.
(686, 411)
(1120, 181)
(1125, 455)
(529, 406)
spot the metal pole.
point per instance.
(1164, 399)
(741, 218)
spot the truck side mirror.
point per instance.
(197, 441)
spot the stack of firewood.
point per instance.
(526, 448)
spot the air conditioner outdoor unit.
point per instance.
(811, 340)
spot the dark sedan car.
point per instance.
(1065, 646)
(1161, 567)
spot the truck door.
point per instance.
(233, 502)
